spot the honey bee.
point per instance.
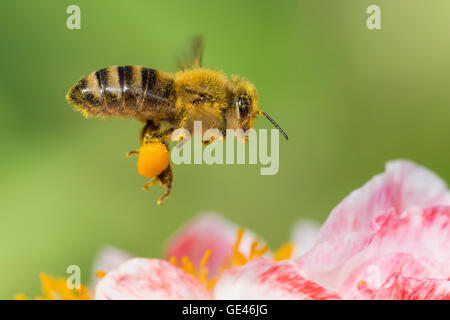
(165, 102)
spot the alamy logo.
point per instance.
(74, 20)
(374, 20)
(74, 280)
(190, 151)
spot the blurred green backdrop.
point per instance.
(349, 98)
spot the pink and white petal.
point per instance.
(352, 224)
(207, 232)
(446, 201)
(375, 272)
(404, 184)
(398, 287)
(323, 262)
(149, 279)
(425, 234)
(107, 259)
(422, 232)
(304, 236)
(268, 280)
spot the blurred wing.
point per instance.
(194, 58)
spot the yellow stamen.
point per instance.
(284, 253)
(237, 259)
(212, 283)
(205, 258)
(187, 266)
(262, 251)
(223, 269)
(173, 260)
(47, 286)
(240, 234)
(256, 251)
(203, 275)
(57, 289)
(100, 274)
(253, 249)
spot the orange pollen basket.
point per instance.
(153, 159)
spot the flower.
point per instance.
(211, 258)
(390, 239)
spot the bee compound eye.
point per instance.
(201, 98)
(239, 102)
(242, 104)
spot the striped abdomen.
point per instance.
(129, 91)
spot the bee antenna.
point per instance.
(275, 124)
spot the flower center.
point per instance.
(58, 289)
(238, 258)
(258, 250)
(200, 273)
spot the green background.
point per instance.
(349, 98)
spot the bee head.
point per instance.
(244, 105)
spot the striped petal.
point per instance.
(416, 244)
(423, 232)
(351, 226)
(398, 287)
(149, 279)
(268, 280)
(403, 185)
(374, 273)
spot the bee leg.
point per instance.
(165, 179)
(150, 184)
(182, 141)
(131, 153)
(208, 142)
(149, 128)
(161, 135)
